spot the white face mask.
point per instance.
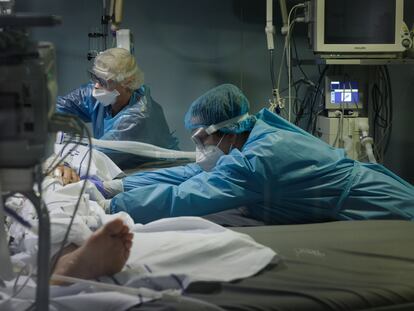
(208, 157)
(104, 96)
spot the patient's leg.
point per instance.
(104, 253)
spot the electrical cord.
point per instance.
(62, 246)
(43, 253)
(299, 65)
(83, 129)
(390, 109)
(301, 111)
(272, 71)
(383, 112)
(286, 47)
(276, 90)
(12, 213)
(16, 290)
(51, 168)
(315, 96)
(289, 57)
(72, 125)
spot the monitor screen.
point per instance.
(344, 92)
(360, 21)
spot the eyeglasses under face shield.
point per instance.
(108, 84)
(200, 135)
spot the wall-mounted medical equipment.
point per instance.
(343, 132)
(277, 103)
(355, 28)
(98, 37)
(109, 34)
(344, 121)
(344, 93)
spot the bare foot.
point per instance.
(104, 253)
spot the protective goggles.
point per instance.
(105, 83)
(200, 135)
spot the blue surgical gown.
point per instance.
(283, 175)
(141, 120)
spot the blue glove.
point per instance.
(98, 184)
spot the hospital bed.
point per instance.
(354, 265)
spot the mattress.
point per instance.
(352, 265)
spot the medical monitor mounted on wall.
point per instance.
(354, 28)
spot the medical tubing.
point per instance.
(298, 62)
(390, 108)
(383, 108)
(62, 246)
(12, 213)
(279, 76)
(43, 254)
(338, 131)
(308, 127)
(272, 69)
(16, 291)
(58, 120)
(370, 153)
(341, 127)
(288, 59)
(49, 170)
(143, 149)
(287, 47)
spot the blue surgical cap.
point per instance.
(219, 104)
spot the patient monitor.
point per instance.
(358, 29)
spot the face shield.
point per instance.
(106, 83)
(200, 135)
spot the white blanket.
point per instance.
(197, 248)
(191, 246)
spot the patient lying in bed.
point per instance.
(102, 244)
(172, 253)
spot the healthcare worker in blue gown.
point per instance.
(282, 174)
(119, 106)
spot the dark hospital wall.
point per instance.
(186, 47)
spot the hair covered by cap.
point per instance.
(119, 65)
(219, 104)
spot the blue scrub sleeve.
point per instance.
(173, 176)
(228, 186)
(78, 102)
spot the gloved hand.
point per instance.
(98, 184)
